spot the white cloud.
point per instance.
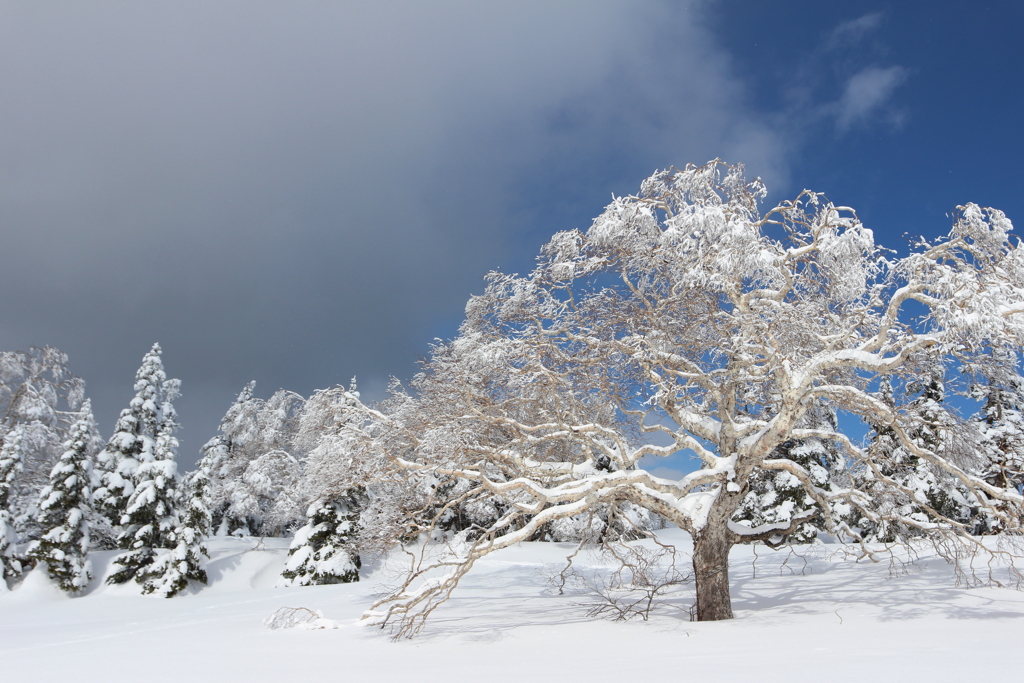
(855, 29)
(866, 92)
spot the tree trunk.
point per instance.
(711, 568)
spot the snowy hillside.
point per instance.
(814, 615)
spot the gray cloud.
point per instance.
(301, 192)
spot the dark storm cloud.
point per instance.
(300, 192)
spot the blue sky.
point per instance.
(301, 193)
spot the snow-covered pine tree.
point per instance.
(133, 441)
(775, 496)
(10, 464)
(923, 490)
(936, 428)
(143, 457)
(323, 550)
(1000, 425)
(64, 510)
(883, 447)
(173, 570)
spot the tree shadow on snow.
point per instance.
(924, 588)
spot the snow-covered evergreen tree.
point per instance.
(775, 496)
(1000, 425)
(931, 486)
(172, 570)
(923, 491)
(134, 439)
(323, 550)
(141, 462)
(64, 510)
(10, 465)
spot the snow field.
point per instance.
(838, 620)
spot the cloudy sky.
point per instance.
(297, 193)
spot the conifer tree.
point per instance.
(10, 464)
(1000, 425)
(134, 439)
(932, 487)
(323, 551)
(776, 496)
(923, 491)
(64, 510)
(884, 449)
(143, 457)
(173, 570)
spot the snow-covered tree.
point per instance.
(254, 465)
(173, 570)
(684, 319)
(10, 464)
(134, 439)
(65, 507)
(775, 497)
(141, 474)
(323, 551)
(1000, 425)
(38, 400)
(906, 486)
(375, 508)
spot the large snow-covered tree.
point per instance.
(141, 475)
(65, 508)
(173, 570)
(255, 466)
(686, 320)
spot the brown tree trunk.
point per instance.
(711, 569)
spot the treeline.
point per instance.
(324, 470)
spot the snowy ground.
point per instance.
(839, 621)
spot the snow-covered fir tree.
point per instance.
(323, 550)
(134, 439)
(143, 457)
(10, 464)
(173, 570)
(924, 492)
(1000, 426)
(775, 496)
(64, 510)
